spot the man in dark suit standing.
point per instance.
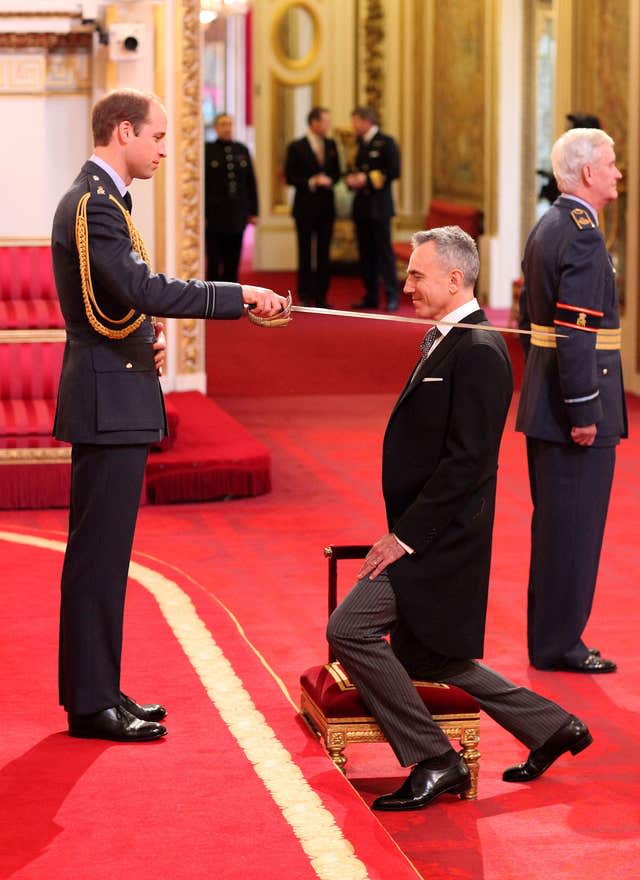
(572, 406)
(110, 405)
(375, 166)
(312, 167)
(426, 581)
(230, 200)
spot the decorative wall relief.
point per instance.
(459, 101)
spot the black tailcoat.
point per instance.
(440, 460)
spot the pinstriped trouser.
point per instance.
(356, 633)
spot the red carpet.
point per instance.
(237, 790)
(263, 558)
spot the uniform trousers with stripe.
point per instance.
(356, 633)
(570, 489)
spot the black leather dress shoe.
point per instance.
(423, 785)
(114, 724)
(594, 651)
(592, 663)
(572, 737)
(364, 304)
(147, 712)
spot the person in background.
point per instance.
(376, 165)
(230, 200)
(312, 167)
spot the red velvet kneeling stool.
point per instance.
(332, 706)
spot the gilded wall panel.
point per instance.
(459, 100)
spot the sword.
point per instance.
(283, 319)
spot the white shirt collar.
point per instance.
(113, 174)
(369, 136)
(591, 209)
(458, 314)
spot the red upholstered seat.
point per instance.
(26, 273)
(330, 689)
(30, 370)
(39, 314)
(333, 708)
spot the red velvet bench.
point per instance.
(334, 709)
(28, 296)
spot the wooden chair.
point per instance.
(334, 710)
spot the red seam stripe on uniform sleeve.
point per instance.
(580, 309)
(575, 326)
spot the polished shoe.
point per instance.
(572, 737)
(147, 712)
(114, 724)
(424, 784)
(594, 651)
(593, 663)
(364, 304)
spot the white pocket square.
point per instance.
(433, 379)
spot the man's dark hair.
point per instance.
(219, 116)
(366, 113)
(316, 113)
(128, 105)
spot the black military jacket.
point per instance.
(300, 165)
(569, 285)
(381, 155)
(109, 390)
(231, 194)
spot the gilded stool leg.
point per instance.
(469, 739)
(335, 742)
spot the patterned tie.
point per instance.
(128, 200)
(427, 343)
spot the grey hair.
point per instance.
(454, 248)
(572, 151)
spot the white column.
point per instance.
(505, 247)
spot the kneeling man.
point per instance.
(426, 582)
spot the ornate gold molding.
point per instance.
(50, 42)
(374, 34)
(188, 170)
(49, 335)
(36, 455)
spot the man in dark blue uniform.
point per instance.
(312, 167)
(231, 200)
(572, 406)
(376, 165)
(110, 405)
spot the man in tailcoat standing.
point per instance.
(312, 167)
(572, 406)
(426, 581)
(230, 200)
(376, 165)
(110, 405)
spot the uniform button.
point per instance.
(227, 149)
(231, 175)
(605, 371)
(129, 366)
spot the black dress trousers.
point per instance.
(106, 482)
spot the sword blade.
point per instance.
(401, 319)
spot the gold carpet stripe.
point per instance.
(330, 854)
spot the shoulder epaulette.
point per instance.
(132, 320)
(582, 219)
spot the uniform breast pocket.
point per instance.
(128, 396)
